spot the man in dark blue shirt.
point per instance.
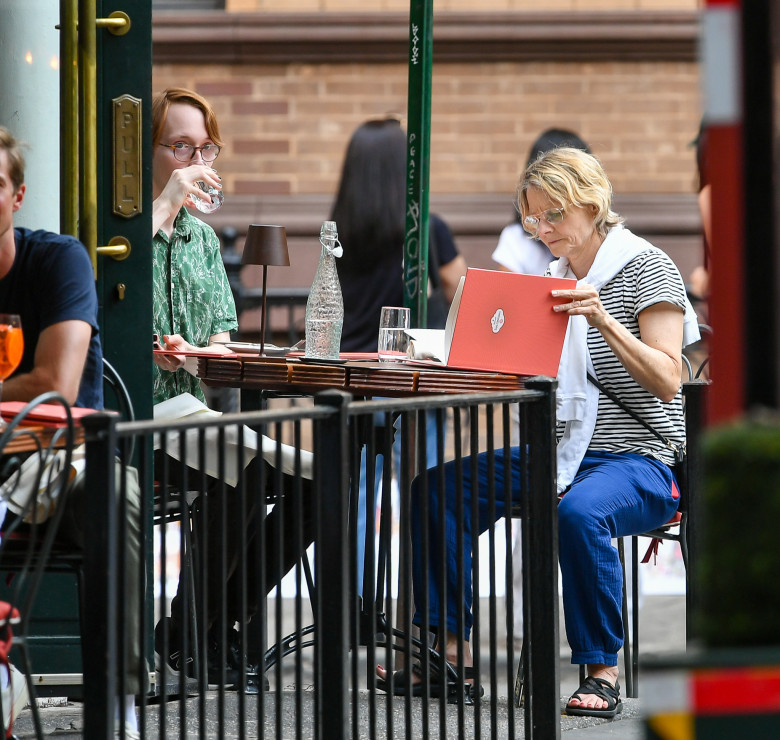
(48, 280)
(51, 286)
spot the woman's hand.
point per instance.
(583, 301)
(654, 361)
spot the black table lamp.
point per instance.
(265, 245)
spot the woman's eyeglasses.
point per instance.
(185, 152)
(553, 216)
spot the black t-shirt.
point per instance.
(51, 280)
(381, 284)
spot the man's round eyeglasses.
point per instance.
(553, 216)
(185, 152)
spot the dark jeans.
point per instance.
(217, 522)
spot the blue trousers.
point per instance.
(611, 496)
(432, 459)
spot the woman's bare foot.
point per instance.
(385, 675)
(591, 701)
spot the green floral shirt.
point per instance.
(191, 296)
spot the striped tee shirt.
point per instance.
(649, 278)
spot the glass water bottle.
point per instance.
(325, 307)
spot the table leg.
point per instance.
(404, 608)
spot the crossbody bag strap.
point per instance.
(616, 400)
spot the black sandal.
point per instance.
(470, 690)
(398, 684)
(604, 690)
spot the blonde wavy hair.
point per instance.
(570, 177)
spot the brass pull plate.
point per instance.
(127, 156)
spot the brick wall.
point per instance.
(288, 98)
(288, 6)
(286, 128)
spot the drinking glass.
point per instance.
(11, 348)
(217, 197)
(393, 339)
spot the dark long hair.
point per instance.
(369, 209)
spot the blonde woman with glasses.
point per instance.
(629, 320)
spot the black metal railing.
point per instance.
(352, 622)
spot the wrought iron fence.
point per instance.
(304, 665)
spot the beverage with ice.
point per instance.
(393, 340)
(393, 344)
(217, 198)
(11, 346)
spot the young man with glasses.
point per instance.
(193, 308)
(193, 303)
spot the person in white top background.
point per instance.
(518, 251)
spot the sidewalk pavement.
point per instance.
(67, 721)
(662, 630)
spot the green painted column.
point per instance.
(417, 159)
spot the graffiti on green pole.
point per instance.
(417, 156)
(412, 241)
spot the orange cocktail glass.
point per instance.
(11, 348)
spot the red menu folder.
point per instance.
(504, 322)
(44, 413)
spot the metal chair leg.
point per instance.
(635, 617)
(627, 652)
(520, 679)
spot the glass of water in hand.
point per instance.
(217, 197)
(393, 339)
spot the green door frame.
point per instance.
(125, 286)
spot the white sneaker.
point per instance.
(15, 696)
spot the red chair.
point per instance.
(28, 545)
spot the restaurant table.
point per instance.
(32, 444)
(296, 375)
(29, 436)
(359, 377)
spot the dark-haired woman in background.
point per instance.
(370, 213)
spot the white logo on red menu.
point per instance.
(497, 320)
